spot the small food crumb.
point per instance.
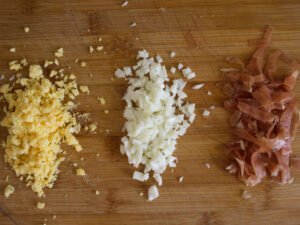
(13, 50)
(91, 49)
(9, 190)
(198, 86)
(246, 195)
(141, 193)
(99, 48)
(101, 100)
(125, 3)
(209, 93)
(180, 66)
(159, 59)
(152, 193)
(207, 165)
(181, 179)
(172, 54)
(59, 52)
(84, 89)
(97, 192)
(212, 107)
(75, 164)
(82, 158)
(40, 205)
(206, 113)
(6, 180)
(106, 111)
(173, 70)
(83, 64)
(76, 60)
(54, 217)
(133, 24)
(26, 29)
(80, 172)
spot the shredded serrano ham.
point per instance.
(264, 115)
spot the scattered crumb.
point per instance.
(206, 113)
(76, 60)
(83, 64)
(92, 127)
(141, 193)
(90, 75)
(13, 50)
(209, 93)
(181, 179)
(172, 54)
(97, 192)
(53, 73)
(80, 172)
(198, 86)
(59, 52)
(6, 180)
(24, 62)
(133, 24)
(212, 107)
(98, 155)
(100, 39)
(159, 59)
(173, 70)
(246, 195)
(26, 29)
(101, 100)
(82, 158)
(84, 89)
(125, 3)
(91, 49)
(106, 111)
(99, 48)
(9, 190)
(40, 205)
(172, 170)
(54, 217)
(207, 165)
(180, 66)
(75, 164)
(56, 62)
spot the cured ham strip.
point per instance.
(264, 116)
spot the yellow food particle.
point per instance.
(101, 100)
(13, 50)
(26, 29)
(59, 52)
(9, 190)
(38, 121)
(97, 192)
(92, 127)
(83, 64)
(24, 62)
(99, 48)
(80, 172)
(14, 65)
(106, 111)
(91, 49)
(53, 73)
(40, 205)
(84, 89)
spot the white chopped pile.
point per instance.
(156, 115)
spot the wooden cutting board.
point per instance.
(202, 33)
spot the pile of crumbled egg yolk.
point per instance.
(38, 121)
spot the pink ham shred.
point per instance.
(264, 115)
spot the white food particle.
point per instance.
(120, 73)
(14, 65)
(198, 86)
(54, 217)
(9, 190)
(56, 62)
(212, 107)
(152, 193)
(40, 205)
(91, 49)
(180, 66)
(13, 50)
(158, 59)
(206, 113)
(26, 29)
(127, 70)
(181, 179)
(246, 195)
(207, 165)
(59, 52)
(141, 193)
(188, 73)
(133, 24)
(83, 64)
(172, 54)
(100, 39)
(209, 93)
(80, 172)
(140, 176)
(106, 111)
(173, 70)
(99, 48)
(191, 75)
(125, 3)
(97, 192)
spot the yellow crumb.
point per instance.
(80, 172)
(83, 64)
(59, 52)
(106, 111)
(40, 205)
(91, 49)
(99, 48)
(101, 100)
(26, 29)
(13, 50)
(14, 65)
(9, 190)
(97, 192)
(84, 89)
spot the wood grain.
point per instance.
(202, 33)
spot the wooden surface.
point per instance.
(202, 33)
